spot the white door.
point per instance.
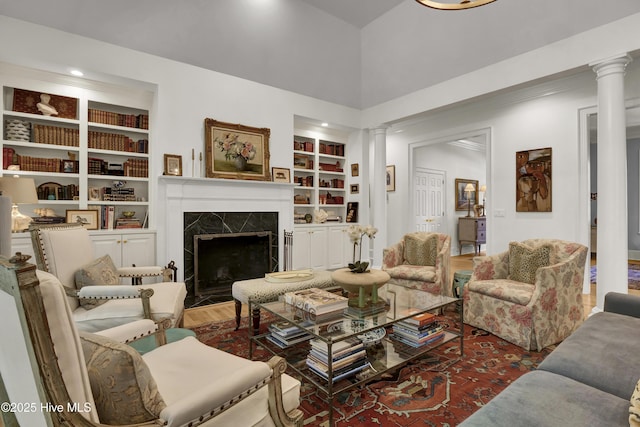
(429, 200)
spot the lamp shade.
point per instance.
(21, 190)
(470, 187)
(483, 188)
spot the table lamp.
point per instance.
(469, 189)
(21, 191)
(483, 189)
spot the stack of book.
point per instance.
(316, 301)
(348, 357)
(418, 330)
(285, 334)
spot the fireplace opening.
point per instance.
(224, 258)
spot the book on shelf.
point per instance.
(417, 337)
(337, 347)
(417, 333)
(339, 363)
(287, 329)
(420, 319)
(317, 301)
(416, 344)
(287, 342)
(340, 374)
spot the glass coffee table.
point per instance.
(374, 327)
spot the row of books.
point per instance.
(131, 167)
(55, 135)
(39, 164)
(59, 192)
(331, 149)
(418, 331)
(108, 220)
(303, 146)
(140, 121)
(347, 358)
(117, 142)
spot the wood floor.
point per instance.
(226, 310)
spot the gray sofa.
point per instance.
(587, 380)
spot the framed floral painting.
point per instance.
(236, 151)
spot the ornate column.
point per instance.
(612, 179)
(379, 193)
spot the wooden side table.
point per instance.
(472, 230)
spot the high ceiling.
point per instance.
(356, 12)
(357, 53)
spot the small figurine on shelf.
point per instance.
(44, 107)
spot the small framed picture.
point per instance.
(391, 178)
(94, 194)
(355, 169)
(352, 212)
(355, 188)
(70, 166)
(87, 217)
(280, 175)
(173, 164)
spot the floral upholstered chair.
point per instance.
(530, 295)
(421, 260)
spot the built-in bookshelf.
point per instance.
(319, 169)
(85, 149)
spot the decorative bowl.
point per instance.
(128, 214)
(372, 337)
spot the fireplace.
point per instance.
(221, 259)
(223, 247)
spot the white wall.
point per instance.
(185, 96)
(455, 162)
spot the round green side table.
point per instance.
(460, 278)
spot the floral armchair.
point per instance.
(530, 295)
(421, 260)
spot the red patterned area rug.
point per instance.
(437, 390)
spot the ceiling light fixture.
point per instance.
(324, 124)
(77, 73)
(454, 5)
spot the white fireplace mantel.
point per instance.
(184, 194)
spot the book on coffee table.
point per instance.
(317, 301)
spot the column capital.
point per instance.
(380, 129)
(611, 65)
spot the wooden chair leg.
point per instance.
(255, 312)
(238, 312)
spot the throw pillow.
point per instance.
(634, 409)
(101, 271)
(123, 388)
(524, 261)
(420, 249)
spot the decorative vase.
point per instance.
(241, 163)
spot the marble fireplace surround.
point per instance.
(184, 194)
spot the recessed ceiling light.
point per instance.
(324, 124)
(77, 73)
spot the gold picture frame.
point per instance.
(355, 169)
(236, 151)
(463, 198)
(173, 164)
(87, 217)
(281, 175)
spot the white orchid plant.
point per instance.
(356, 233)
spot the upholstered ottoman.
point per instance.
(260, 290)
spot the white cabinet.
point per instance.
(126, 248)
(339, 248)
(320, 247)
(309, 248)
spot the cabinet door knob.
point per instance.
(117, 241)
(124, 241)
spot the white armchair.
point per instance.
(183, 383)
(65, 250)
